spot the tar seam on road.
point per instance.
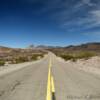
(50, 85)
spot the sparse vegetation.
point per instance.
(21, 60)
(67, 56)
(75, 56)
(14, 56)
(2, 63)
(37, 56)
(32, 57)
(85, 55)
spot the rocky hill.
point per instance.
(88, 46)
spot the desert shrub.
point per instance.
(35, 56)
(67, 56)
(79, 55)
(74, 59)
(2, 63)
(21, 59)
(40, 55)
(85, 55)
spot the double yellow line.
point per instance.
(50, 84)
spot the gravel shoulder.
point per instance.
(91, 65)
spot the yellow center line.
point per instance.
(50, 83)
(49, 86)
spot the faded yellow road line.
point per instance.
(50, 83)
(49, 87)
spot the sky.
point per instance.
(49, 22)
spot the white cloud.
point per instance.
(93, 19)
(87, 2)
(94, 34)
(83, 3)
(96, 15)
(65, 16)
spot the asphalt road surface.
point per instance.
(30, 83)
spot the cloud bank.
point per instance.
(74, 15)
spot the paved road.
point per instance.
(30, 83)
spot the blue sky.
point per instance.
(49, 22)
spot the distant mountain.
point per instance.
(45, 47)
(36, 47)
(31, 46)
(93, 47)
(87, 46)
(40, 47)
(83, 47)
